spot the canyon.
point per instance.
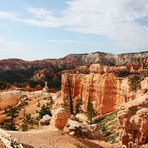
(20, 73)
(101, 85)
(115, 85)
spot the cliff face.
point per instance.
(133, 118)
(105, 90)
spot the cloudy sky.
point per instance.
(38, 29)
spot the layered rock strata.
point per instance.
(101, 86)
(133, 119)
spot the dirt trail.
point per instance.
(47, 138)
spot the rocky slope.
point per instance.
(133, 119)
(70, 61)
(20, 71)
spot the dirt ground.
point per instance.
(49, 138)
(2, 145)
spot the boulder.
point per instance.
(60, 118)
(80, 130)
(45, 120)
(8, 140)
(81, 117)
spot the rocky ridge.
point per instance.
(17, 70)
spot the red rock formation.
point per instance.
(144, 84)
(60, 118)
(19, 71)
(133, 118)
(38, 87)
(106, 90)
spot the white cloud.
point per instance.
(7, 15)
(2, 40)
(7, 45)
(12, 49)
(117, 20)
(42, 18)
(6, 42)
(114, 19)
(73, 42)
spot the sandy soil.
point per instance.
(47, 138)
(2, 145)
(8, 100)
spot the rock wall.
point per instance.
(105, 90)
(133, 119)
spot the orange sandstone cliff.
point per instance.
(133, 118)
(101, 85)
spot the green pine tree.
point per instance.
(90, 110)
(78, 105)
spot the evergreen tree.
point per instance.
(45, 109)
(12, 112)
(27, 120)
(70, 97)
(90, 110)
(78, 105)
(9, 123)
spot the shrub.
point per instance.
(51, 102)
(135, 59)
(109, 126)
(26, 121)
(24, 127)
(135, 82)
(79, 146)
(122, 73)
(45, 109)
(145, 73)
(78, 104)
(12, 112)
(27, 118)
(8, 124)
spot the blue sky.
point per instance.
(39, 29)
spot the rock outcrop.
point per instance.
(9, 141)
(144, 84)
(133, 119)
(60, 118)
(45, 120)
(80, 130)
(46, 89)
(101, 85)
